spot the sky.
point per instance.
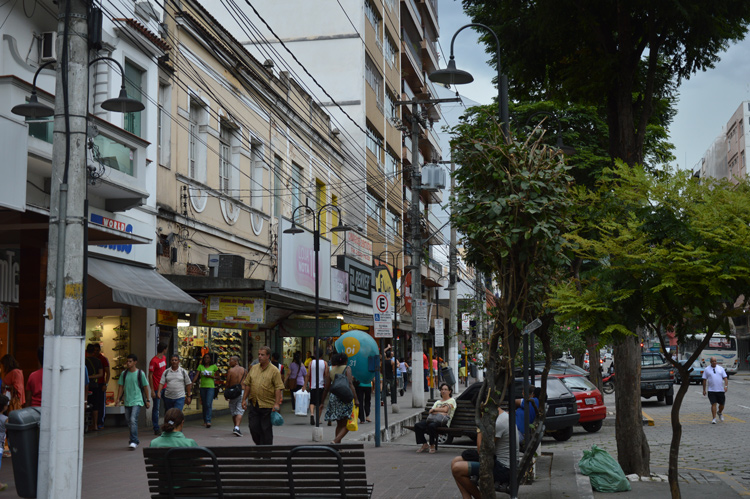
(707, 100)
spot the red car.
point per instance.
(589, 400)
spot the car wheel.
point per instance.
(593, 426)
(443, 439)
(669, 399)
(563, 434)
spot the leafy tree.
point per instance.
(673, 251)
(624, 57)
(511, 202)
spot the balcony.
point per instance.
(430, 53)
(411, 61)
(430, 8)
(410, 10)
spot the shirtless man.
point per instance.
(235, 375)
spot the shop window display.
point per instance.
(113, 335)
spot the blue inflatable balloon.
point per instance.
(358, 346)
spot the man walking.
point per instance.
(264, 387)
(134, 385)
(234, 378)
(156, 368)
(716, 380)
(103, 382)
(95, 372)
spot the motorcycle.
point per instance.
(608, 384)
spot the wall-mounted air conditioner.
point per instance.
(222, 265)
(48, 49)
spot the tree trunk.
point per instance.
(633, 452)
(595, 373)
(674, 446)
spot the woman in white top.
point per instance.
(403, 368)
(316, 380)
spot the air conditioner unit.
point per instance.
(48, 49)
(228, 266)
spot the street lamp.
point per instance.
(451, 75)
(294, 229)
(454, 76)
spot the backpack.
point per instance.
(141, 385)
(340, 388)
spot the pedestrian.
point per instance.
(364, 395)
(441, 414)
(403, 368)
(338, 410)
(715, 379)
(265, 389)
(316, 380)
(464, 469)
(12, 382)
(34, 383)
(308, 359)
(103, 382)
(156, 368)
(389, 373)
(94, 367)
(171, 431)
(176, 386)
(4, 401)
(426, 367)
(207, 374)
(296, 378)
(235, 375)
(134, 386)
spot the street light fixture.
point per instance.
(294, 229)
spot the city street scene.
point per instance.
(374, 249)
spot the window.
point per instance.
(394, 225)
(296, 187)
(391, 165)
(277, 166)
(41, 128)
(133, 85)
(256, 175)
(372, 15)
(375, 210)
(375, 145)
(390, 107)
(225, 159)
(391, 4)
(390, 50)
(375, 80)
(164, 124)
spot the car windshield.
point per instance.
(578, 384)
(555, 389)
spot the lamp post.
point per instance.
(317, 432)
(61, 440)
(454, 76)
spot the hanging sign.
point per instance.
(439, 333)
(466, 322)
(423, 325)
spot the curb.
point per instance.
(647, 420)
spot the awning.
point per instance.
(141, 287)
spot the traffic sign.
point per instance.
(381, 314)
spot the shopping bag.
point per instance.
(301, 402)
(603, 470)
(277, 419)
(353, 423)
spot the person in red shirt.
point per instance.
(34, 383)
(156, 368)
(102, 385)
(426, 367)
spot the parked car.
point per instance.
(558, 367)
(589, 400)
(562, 413)
(657, 377)
(696, 372)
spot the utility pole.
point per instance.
(453, 303)
(417, 387)
(61, 437)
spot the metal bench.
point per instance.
(267, 471)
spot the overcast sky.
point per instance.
(707, 100)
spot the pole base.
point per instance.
(395, 408)
(317, 434)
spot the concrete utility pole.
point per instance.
(417, 386)
(61, 438)
(453, 303)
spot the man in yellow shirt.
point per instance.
(264, 387)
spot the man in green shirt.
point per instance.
(134, 385)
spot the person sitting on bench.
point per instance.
(440, 415)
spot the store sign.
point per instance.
(235, 312)
(125, 224)
(439, 333)
(339, 286)
(9, 275)
(407, 292)
(384, 280)
(360, 279)
(358, 247)
(166, 318)
(306, 328)
(297, 262)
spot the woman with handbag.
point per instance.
(343, 398)
(440, 415)
(296, 379)
(206, 375)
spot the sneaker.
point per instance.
(721, 417)
(133, 446)
(237, 431)
(713, 421)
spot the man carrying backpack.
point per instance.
(134, 385)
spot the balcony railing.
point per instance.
(413, 48)
(417, 15)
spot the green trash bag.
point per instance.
(603, 470)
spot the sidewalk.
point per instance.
(113, 471)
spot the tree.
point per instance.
(623, 57)
(511, 203)
(674, 252)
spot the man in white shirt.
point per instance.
(716, 380)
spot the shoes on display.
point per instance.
(120, 347)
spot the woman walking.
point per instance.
(207, 375)
(296, 379)
(338, 410)
(316, 380)
(13, 382)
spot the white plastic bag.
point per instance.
(301, 402)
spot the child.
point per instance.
(4, 401)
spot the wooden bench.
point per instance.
(267, 471)
(462, 424)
